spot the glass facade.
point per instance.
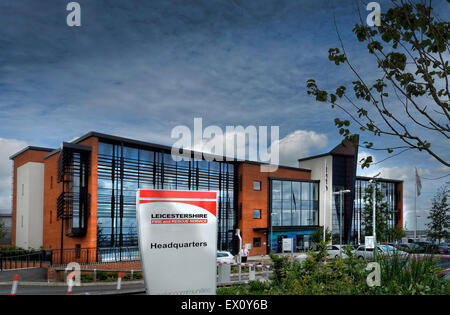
(295, 203)
(389, 191)
(73, 202)
(123, 169)
(336, 216)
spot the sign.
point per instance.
(178, 241)
(287, 244)
(370, 242)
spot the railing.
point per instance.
(95, 255)
(23, 259)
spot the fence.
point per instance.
(22, 259)
(95, 255)
(58, 257)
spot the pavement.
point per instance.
(96, 288)
(45, 288)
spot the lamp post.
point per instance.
(415, 230)
(238, 234)
(373, 182)
(341, 198)
(271, 230)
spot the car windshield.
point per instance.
(387, 248)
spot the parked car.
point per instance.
(443, 248)
(411, 248)
(428, 248)
(447, 274)
(332, 250)
(225, 257)
(301, 256)
(362, 253)
(335, 252)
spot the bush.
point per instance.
(109, 276)
(317, 275)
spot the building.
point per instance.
(83, 195)
(336, 170)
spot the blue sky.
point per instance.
(139, 68)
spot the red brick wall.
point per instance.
(18, 161)
(250, 199)
(52, 226)
(56, 274)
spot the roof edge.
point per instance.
(34, 148)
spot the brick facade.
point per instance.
(250, 199)
(52, 189)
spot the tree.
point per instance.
(439, 215)
(382, 214)
(409, 99)
(2, 230)
(317, 236)
(396, 233)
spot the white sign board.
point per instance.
(178, 241)
(370, 242)
(287, 244)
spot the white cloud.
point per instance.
(298, 144)
(7, 148)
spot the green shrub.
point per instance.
(316, 275)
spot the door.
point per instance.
(299, 243)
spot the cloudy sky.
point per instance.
(139, 68)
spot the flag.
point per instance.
(326, 175)
(418, 184)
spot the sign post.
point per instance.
(370, 242)
(178, 241)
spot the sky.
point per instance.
(139, 68)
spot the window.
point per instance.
(294, 203)
(51, 182)
(77, 251)
(123, 169)
(257, 214)
(257, 242)
(256, 185)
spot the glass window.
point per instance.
(256, 185)
(276, 190)
(147, 169)
(294, 203)
(257, 242)
(257, 214)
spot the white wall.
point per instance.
(317, 167)
(30, 205)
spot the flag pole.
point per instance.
(415, 212)
(325, 200)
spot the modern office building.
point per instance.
(83, 195)
(336, 170)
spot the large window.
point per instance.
(389, 192)
(122, 170)
(295, 203)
